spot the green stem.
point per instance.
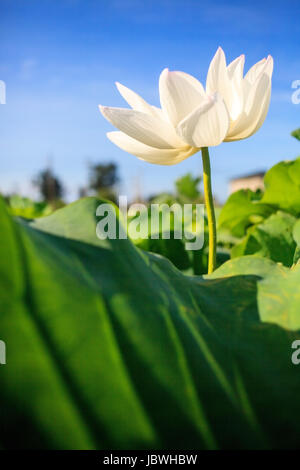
(212, 230)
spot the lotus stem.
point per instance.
(211, 218)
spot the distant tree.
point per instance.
(296, 133)
(50, 187)
(82, 192)
(103, 178)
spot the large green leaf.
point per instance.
(242, 209)
(278, 294)
(282, 184)
(111, 347)
(272, 239)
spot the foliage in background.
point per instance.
(263, 225)
(186, 191)
(25, 207)
(250, 223)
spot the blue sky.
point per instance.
(60, 59)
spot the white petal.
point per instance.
(235, 75)
(255, 110)
(148, 129)
(253, 74)
(262, 113)
(264, 107)
(260, 87)
(158, 112)
(207, 125)
(134, 100)
(265, 68)
(180, 93)
(150, 154)
(268, 69)
(138, 103)
(254, 71)
(257, 99)
(236, 67)
(217, 78)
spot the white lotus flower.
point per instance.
(190, 118)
